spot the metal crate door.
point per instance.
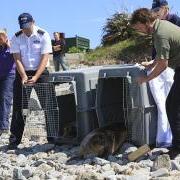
(40, 110)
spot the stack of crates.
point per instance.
(121, 99)
(77, 112)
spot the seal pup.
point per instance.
(104, 141)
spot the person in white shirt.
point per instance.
(30, 48)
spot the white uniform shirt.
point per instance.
(31, 48)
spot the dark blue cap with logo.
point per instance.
(25, 20)
(159, 3)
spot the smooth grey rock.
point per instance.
(128, 148)
(157, 152)
(38, 163)
(17, 173)
(120, 162)
(108, 173)
(138, 177)
(51, 163)
(88, 161)
(44, 167)
(100, 161)
(175, 165)
(117, 168)
(163, 161)
(90, 176)
(21, 160)
(160, 173)
(68, 178)
(11, 152)
(34, 178)
(27, 172)
(112, 158)
(106, 167)
(53, 174)
(6, 165)
(146, 163)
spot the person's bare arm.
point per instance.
(57, 48)
(41, 68)
(20, 67)
(160, 66)
(149, 65)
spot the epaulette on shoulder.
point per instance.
(40, 31)
(18, 33)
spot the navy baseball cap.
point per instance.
(158, 3)
(25, 20)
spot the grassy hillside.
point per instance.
(131, 50)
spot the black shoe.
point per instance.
(51, 140)
(12, 146)
(173, 152)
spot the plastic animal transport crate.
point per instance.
(121, 99)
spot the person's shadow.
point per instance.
(31, 149)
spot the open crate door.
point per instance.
(40, 110)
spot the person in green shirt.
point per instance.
(166, 40)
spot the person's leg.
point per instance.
(158, 89)
(56, 62)
(62, 62)
(6, 91)
(173, 110)
(17, 123)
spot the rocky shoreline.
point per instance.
(36, 160)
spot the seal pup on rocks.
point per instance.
(104, 141)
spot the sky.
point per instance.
(73, 17)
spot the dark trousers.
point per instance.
(59, 60)
(6, 94)
(47, 98)
(173, 109)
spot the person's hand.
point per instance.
(142, 79)
(32, 80)
(146, 63)
(8, 43)
(24, 79)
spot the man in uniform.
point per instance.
(30, 47)
(166, 40)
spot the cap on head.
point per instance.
(158, 3)
(25, 20)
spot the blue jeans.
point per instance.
(6, 94)
(59, 60)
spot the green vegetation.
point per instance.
(116, 29)
(130, 50)
(121, 43)
(75, 50)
